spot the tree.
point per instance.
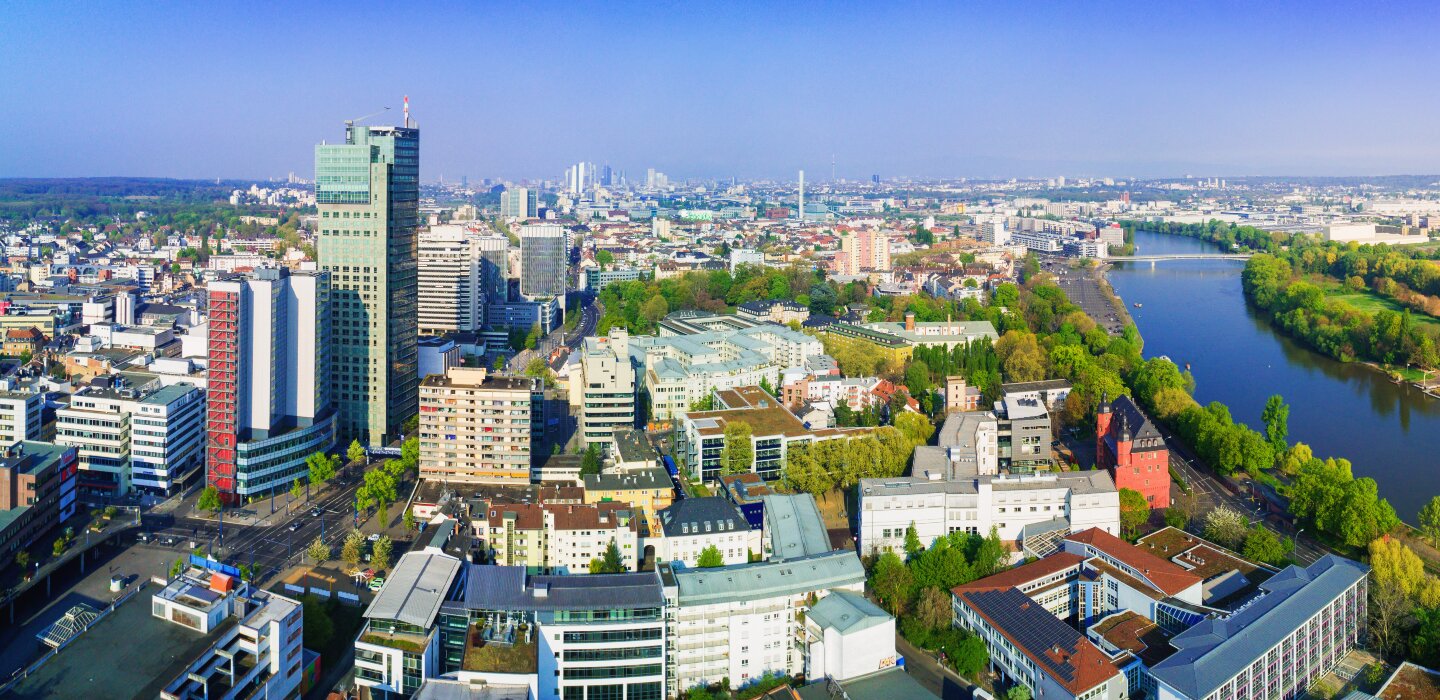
(803, 471)
(1276, 418)
(1018, 692)
(22, 560)
(970, 657)
(912, 542)
(322, 467)
(1430, 520)
(1265, 546)
(378, 491)
(409, 520)
(590, 461)
(604, 258)
(317, 626)
(318, 551)
(1176, 517)
(356, 452)
(915, 427)
(210, 500)
(1226, 526)
(933, 608)
(738, 455)
(177, 567)
(611, 563)
(296, 490)
(353, 548)
(1134, 511)
(710, 558)
(1021, 356)
(380, 553)
(892, 582)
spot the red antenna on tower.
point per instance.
(407, 111)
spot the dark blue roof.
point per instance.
(1213, 651)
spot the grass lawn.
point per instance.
(1370, 302)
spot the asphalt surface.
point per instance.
(274, 546)
(1082, 286)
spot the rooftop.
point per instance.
(417, 586)
(794, 525)
(632, 479)
(1055, 647)
(1215, 649)
(890, 684)
(1137, 634)
(758, 580)
(702, 516)
(509, 588)
(1411, 682)
(479, 379)
(632, 446)
(1163, 574)
(127, 654)
(847, 611)
(1025, 573)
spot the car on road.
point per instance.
(315, 512)
(295, 526)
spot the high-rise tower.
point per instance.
(367, 191)
(802, 195)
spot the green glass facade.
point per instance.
(368, 191)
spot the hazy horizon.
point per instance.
(713, 91)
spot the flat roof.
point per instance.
(794, 525)
(846, 611)
(415, 589)
(747, 582)
(127, 654)
(509, 588)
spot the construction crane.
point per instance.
(353, 122)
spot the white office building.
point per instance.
(604, 388)
(130, 438)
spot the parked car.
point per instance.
(373, 537)
(376, 583)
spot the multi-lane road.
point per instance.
(271, 547)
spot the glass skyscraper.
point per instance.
(367, 191)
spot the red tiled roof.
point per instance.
(1164, 575)
(1076, 664)
(1021, 575)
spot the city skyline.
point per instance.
(1123, 90)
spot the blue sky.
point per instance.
(750, 89)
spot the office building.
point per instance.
(544, 259)
(398, 647)
(462, 274)
(148, 438)
(1130, 446)
(519, 203)
(269, 390)
(678, 370)
(604, 387)
(20, 413)
(960, 485)
(260, 656)
(367, 193)
(740, 623)
(476, 427)
(37, 492)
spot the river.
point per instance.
(1195, 312)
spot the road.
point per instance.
(268, 546)
(927, 671)
(589, 319)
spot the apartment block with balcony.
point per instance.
(476, 427)
(604, 388)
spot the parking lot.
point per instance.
(1082, 286)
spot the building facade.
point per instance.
(1129, 445)
(606, 387)
(128, 438)
(367, 192)
(478, 428)
(270, 396)
(543, 260)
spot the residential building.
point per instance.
(367, 193)
(21, 342)
(692, 525)
(739, 623)
(960, 396)
(1051, 392)
(596, 279)
(476, 427)
(560, 537)
(544, 258)
(37, 492)
(630, 450)
(781, 311)
(959, 485)
(449, 277)
(1133, 450)
(148, 438)
(678, 370)
(398, 647)
(863, 250)
(647, 490)
(604, 388)
(269, 391)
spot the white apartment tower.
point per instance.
(606, 391)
